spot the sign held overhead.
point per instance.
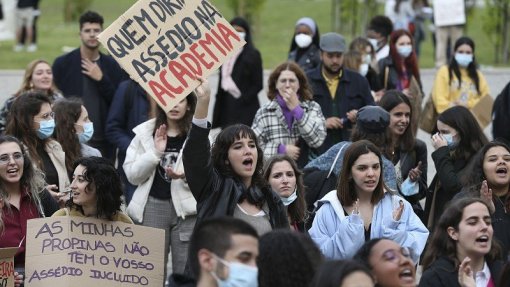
(165, 44)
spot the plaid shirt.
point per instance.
(272, 130)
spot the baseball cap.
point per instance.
(332, 42)
(373, 119)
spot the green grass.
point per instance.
(273, 35)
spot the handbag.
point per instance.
(428, 117)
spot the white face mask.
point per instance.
(303, 40)
(374, 43)
(368, 58)
(288, 200)
(239, 275)
(363, 69)
(242, 35)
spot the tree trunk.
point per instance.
(505, 32)
(335, 15)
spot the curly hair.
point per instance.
(475, 175)
(184, 123)
(102, 175)
(472, 138)
(26, 84)
(284, 252)
(411, 62)
(20, 122)
(305, 90)
(91, 17)
(67, 112)
(453, 66)
(297, 210)
(441, 244)
(346, 191)
(32, 179)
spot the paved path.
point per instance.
(497, 78)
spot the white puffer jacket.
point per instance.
(140, 166)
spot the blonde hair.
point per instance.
(27, 85)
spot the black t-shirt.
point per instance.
(48, 167)
(160, 188)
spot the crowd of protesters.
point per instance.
(323, 185)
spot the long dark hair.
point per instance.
(389, 101)
(411, 62)
(297, 209)
(296, 268)
(333, 273)
(453, 66)
(20, 122)
(441, 244)
(345, 188)
(102, 174)
(471, 135)
(475, 175)
(67, 112)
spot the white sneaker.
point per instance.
(32, 48)
(18, 48)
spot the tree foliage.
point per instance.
(496, 23)
(350, 17)
(248, 9)
(74, 8)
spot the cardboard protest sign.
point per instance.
(7, 266)
(77, 251)
(164, 44)
(449, 12)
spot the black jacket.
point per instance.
(353, 93)
(392, 77)
(448, 178)
(409, 160)
(442, 273)
(178, 280)
(217, 195)
(248, 76)
(309, 58)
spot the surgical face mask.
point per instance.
(449, 140)
(463, 59)
(46, 129)
(88, 131)
(374, 43)
(242, 35)
(363, 69)
(405, 50)
(288, 200)
(368, 59)
(303, 40)
(239, 275)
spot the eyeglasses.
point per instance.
(393, 256)
(47, 116)
(6, 158)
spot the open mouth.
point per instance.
(406, 274)
(483, 239)
(12, 171)
(248, 162)
(502, 170)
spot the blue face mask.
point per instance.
(46, 129)
(449, 140)
(288, 200)
(463, 59)
(88, 131)
(239, 275)
(404, 51)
